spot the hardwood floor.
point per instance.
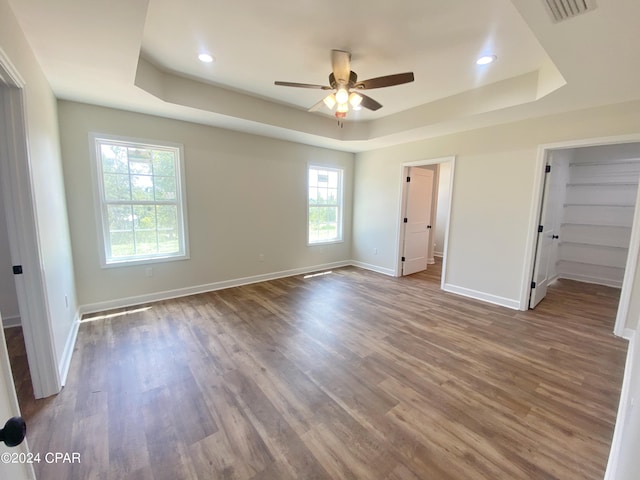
(347, 375)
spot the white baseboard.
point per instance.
(623, 407)
(485, 297)
(69, 346)
(10, 322)
(628, 333)
(374, 268)
(607, 282)
(438, 254)
(209, 287)
(431, 261)
(63, 368)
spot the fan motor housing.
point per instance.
(353, 78)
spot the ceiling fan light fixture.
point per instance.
(344, 84)
(355, 100)
(342, 96)
(330, 101)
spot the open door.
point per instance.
(22, 228)
(417, 220)
(20, 469)
(548, 236)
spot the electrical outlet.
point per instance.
(66, 301)
(375, 251)
(261, 257)
(149, 272)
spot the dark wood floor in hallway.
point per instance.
(346, 375)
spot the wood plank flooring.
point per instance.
(347, 375)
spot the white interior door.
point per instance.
(548, 236)
(18, 470)
(417, 220)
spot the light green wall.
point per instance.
(46, 180)
(493, 195)
(246, 196)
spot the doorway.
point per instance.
(9, 408)
(419, 208)
(587, 228)
(438, 219)
(20, 227)
(8, 296)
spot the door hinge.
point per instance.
(547, 168)
(533, 284)
(408, 179)
(540, 228)
(17, 269)
(405, 220)
(403, 259)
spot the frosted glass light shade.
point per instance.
(330, 101)
(342, 96)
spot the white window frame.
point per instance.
(340, 203)
(102, 220)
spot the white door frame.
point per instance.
(400, 230)
(426, 228)
(634, 243)
(24, 241)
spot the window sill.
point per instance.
(328, 242)
(143, 261)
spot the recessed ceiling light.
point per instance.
(205, 57)
(486, 59)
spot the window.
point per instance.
(325, 205)
(141, 204)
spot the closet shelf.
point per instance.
(626, 161)
(587, 263)
(598, 205)
(571, 224)
(592, 245)
(603, 184)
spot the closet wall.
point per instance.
(8, 296)
(431, 251)
(442, 213)
(598, 213)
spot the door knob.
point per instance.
(554, 236)
(13, 432)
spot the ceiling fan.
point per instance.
(346, 89)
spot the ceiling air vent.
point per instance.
(561, 10)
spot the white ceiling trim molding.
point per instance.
(178, 90)
(91, 54)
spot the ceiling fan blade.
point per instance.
(341, 65)
(386, 81)
(370, 103)
(303, 85)
(316, 106)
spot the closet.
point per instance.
(599, 196)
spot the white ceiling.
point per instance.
(142, 55)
